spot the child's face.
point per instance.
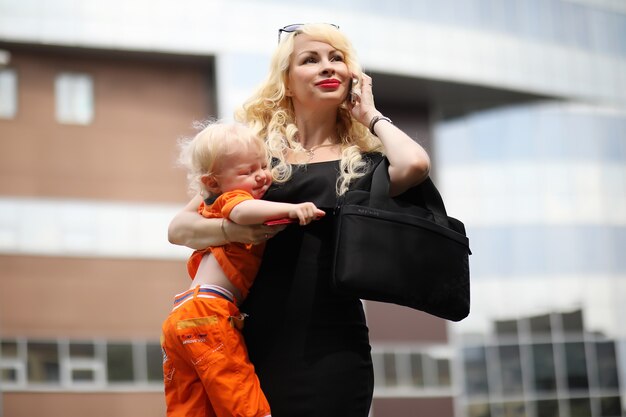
(245, 170)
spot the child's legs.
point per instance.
(184, 392)
(210, 343)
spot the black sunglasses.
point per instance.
(294, 27)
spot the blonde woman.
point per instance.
(316, 111)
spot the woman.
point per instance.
(309, 345)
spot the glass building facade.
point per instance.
(541, 187)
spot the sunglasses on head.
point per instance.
(296, 26)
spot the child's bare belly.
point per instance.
(210, 273)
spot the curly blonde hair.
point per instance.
(270, 112)
(202, 154)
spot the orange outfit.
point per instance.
(240, 262)
(206, 369)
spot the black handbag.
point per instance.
(404, 250)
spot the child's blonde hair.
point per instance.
(201, 154)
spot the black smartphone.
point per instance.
(350, 96)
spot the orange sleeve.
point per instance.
(230, 199)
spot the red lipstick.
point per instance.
(329, 83)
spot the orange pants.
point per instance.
(206, 369)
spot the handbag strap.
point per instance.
(379, 193)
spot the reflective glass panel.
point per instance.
(511, 370)
(82, 350)
(43, 362)
(579, 407)
(417, 372)
(543, 367)
(576, 366)
(8, 375)
(443, 373)
(8, 93)
(83, 375)
(154, 355)
(475, 363)
(8, 349)
(74, 98)
(478, 410)
(610, 407)
(547, 408)
(389, 363)
(514, 409)
(607, 365)
(120, 362)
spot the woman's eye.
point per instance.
(338, 58)
(310, 60)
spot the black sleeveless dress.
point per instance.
(310, 346)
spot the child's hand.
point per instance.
(305, 213)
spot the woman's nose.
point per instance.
(327, 67)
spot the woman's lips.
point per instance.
(329, 84)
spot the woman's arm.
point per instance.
(189, 228)
(409, 164)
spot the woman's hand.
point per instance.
(250, 234)
(363, 108)
(409, 164)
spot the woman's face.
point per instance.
(317, 73)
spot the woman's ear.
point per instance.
(210, 183)
(288, 92)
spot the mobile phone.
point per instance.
(286, 220)
(280, 221)
(350, 97)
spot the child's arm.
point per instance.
(189, 228)
(259, 211)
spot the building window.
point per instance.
(120, 363)
(85, 364)
(417, 369)
(607, 365)
(8, 93)
(43, 362)
(475, 364)
(558, 368)
(576, 366)
(12, 369)
(547, 408)
(411, 369)
(444, 378)
(510, 370)
(74, 98)
(389, 364)
(543, 368)
(154, 359)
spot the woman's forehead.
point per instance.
(305, 43)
